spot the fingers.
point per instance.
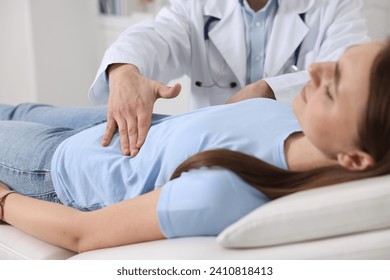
(130, 107)
(174, 91)
(127, 132)
(132, 132)
(109, 132)
(129, 136)
(168, 92)
(114, 125)
(144, 122)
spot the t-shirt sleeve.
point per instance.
(204, 202)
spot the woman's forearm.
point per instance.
(127, 222)
(53, 223)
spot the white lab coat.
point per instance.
(173, 44)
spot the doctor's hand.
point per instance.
(130, 106)
(255, 90)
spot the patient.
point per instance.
(198, 172)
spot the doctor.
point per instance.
(231, 49)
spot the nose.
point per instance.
(321, 72)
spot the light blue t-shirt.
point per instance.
(88, 176)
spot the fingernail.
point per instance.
(134, 152)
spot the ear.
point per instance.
(356, 160)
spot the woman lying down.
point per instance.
(198, 172)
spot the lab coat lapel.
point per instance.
(288, 32)
(228, 35)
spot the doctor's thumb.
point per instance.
(169, 92)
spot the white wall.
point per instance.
(48, 50)
(16, 52)
(377, 13)
(65, 49)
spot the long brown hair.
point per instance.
(374, 137)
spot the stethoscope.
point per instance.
(215, 82)
(292, 69)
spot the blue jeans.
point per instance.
(29, 136)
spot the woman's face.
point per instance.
(332, 103)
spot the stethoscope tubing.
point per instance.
(215, 82)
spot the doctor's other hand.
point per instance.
(130, 106)
(255, 90)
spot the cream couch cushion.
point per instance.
(363, 246)
(17, 245)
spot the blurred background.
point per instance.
(50, 50)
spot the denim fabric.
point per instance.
(29, 135)
(70, 117)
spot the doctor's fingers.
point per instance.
(111, 128)
(133, 129)
(120, 125)
(164, 91)
(128, 134)
(144, 120)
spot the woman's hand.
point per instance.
(130, 106)
(4, 192)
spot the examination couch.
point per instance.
(345, 221)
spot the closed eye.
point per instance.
(327, 92)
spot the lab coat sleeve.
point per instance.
(160, 49)
(286, 87)
(344, 26)
(347, 27)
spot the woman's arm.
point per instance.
(130, 221)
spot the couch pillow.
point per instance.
(341, 209)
